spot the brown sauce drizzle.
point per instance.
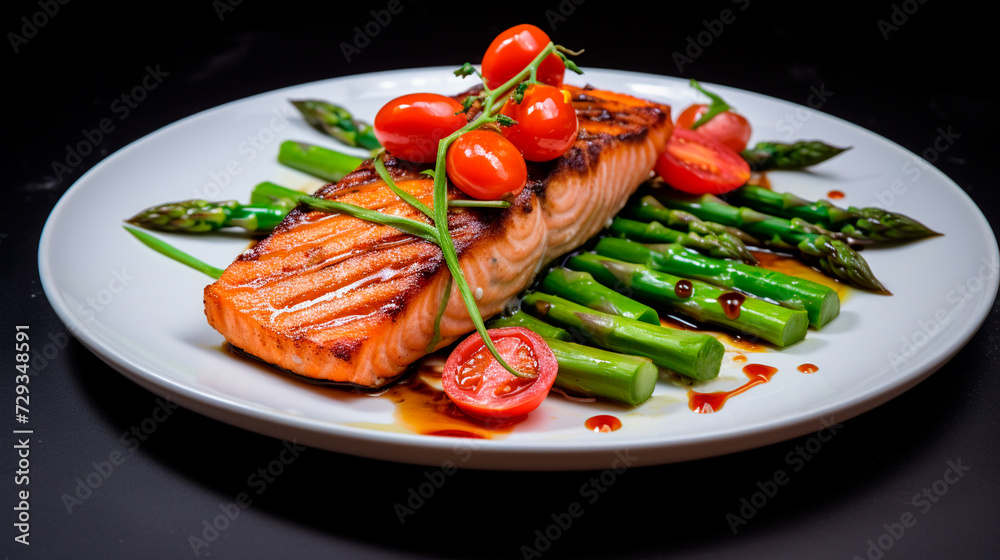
(732, 339)
(732, 303)
(603, 423)
(794, 267)
(705, 403)
(428, 411)
(683, 289)
(759, 179)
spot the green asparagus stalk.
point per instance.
(522, 319)
(820, 302)
(271, 194)
(581, 288)
(798, 155)
(587, 371)
(702, 302)
(593, 372)
(337, 122)
(691, 354)
(199, 216)
(719, 246)
(648, 209)
(317, 161)
(833, 256)
(867, 223)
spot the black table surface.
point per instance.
(914, 478)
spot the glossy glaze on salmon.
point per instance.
(338, 299)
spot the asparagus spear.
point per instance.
(522, 319)
(580, 287)
(833, 256)
(700, 301)
(317, 161)
(776, 155)
(337, 122)
(860, 223)
(271, 194)
(199, 216)
(723, 246)
(593, 372)
(588, 371)
(648, 209)
(820, 302)
(688, 353)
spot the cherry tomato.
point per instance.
(514, 49)
(411, 126)
(481, 387)
(732, 129)
(696, 163)
(546, 123)
(485, 165)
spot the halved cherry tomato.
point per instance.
(481, 387)
(485, 165)
(514, 49)
(546, 123)
(696, 163)
(732, 129)
(411, 126)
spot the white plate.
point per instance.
(143, 315)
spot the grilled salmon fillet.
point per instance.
(342, 300)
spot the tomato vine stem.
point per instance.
(439, 232)
(441, 199)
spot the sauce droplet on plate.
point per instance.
(705, 403)
(603, 423)
(835, 195)
(808, 368)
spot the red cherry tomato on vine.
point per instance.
(546, 123)
(514, 49)
(411, 126)
(732, 129)
(699, 164)
(481, 387)
(485, 165)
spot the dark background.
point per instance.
(911, 79)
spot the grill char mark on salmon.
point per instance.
(341, 300)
